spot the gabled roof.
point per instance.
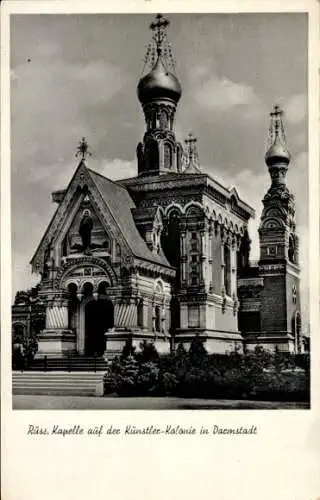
(119, 203)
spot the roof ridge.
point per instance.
(105, 178)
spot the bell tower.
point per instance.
(279, 248)
(159, 92)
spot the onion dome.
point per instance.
(277, 153)
(159, 83)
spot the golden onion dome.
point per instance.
(158, 84)
(277, 153)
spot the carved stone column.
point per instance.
(57, 339)
(145, 306)
(57, 312)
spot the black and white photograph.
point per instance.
(160, 211)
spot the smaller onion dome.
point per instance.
(277, 153)
(158, 84)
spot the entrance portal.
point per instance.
(99, 318)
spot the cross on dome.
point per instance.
(276, 125)
(159, 45)
(158, 27)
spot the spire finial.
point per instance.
(159, 27)
(83, 149)
(276, 126)
(191, 153)
(159, 45)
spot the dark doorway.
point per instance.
(99, 318)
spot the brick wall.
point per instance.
(273, 304)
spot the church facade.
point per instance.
(165, 255)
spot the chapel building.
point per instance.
(165, 255)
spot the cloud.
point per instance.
(296, 109)
(46, 110)
(224, 94)
(117, 169)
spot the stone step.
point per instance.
(60, 374)
(63, 383)
(45, 391)
(54, 376)
(74, 363)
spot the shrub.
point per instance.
(121, 377)
(147, 381)
(181, 351)
(128, 349)
(148, 352)
(254, 375)
(127, 377)
(303, 361)
(168, 384)
(197, 352)
(283, 387)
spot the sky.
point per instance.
(76, 75)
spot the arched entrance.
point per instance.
(99, 318)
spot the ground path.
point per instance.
(114, 403)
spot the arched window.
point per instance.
(87, 289)
(152, 155)
(194, 258)
(140, 157)
(65, 247)
(154, 119)
(157, 318)
(168, 155)
(140, 314)
(102, 288)
(227, 269)
(163, 120)
(291, 250)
